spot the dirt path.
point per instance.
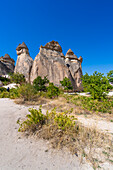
(96, 123)
(17, 152)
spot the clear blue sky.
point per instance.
(85, 26)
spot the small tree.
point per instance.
(52, 91)
(39, 83)
(27, 92)
(110, 76)
(66, 83)
(17, 78)
(96, 84)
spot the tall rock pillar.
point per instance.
(24, 61)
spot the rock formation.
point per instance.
(24, 61)
(50, 62)
(6, 65)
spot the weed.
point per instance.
(62, 129)
(34, 120)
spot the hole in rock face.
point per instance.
(68, 65)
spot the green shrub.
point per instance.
(2, 89)
(4, 94)
(37, 119)
(14, 93)
(64, 121)
(27, 92)
(34, 120)
(52, 91)
(4, 80)
(17, 78)
(104, 106)
(66, 83)
(110, 76)
(96, 84)
(39, 83)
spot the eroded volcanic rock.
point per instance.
(52, 63)
(6, 65)
(24, 61)
(49, 62)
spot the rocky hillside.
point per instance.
(50, 62)
(6, 65)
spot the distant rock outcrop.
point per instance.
(24, 61)
(50, 62)
(6, 65)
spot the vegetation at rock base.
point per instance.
(40, 83)
(96, 84)
(52, 91)
(5, 80)
(66, 83)
(17, 78)
(63, 130)
(12, 94)
(27, 92)
(2, 89)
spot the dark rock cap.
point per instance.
(6, 56)
(21, 46)
(70, 54)
(80, 59)
(53, 45)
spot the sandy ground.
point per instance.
(96, 123)
(18, 153)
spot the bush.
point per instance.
(27, 92)
(62, 130)
(39, 83)
(4, 80)
(64, 121)
(90, 104)
(4, 94)
(66, 83)
(110, 76)
(52, 91)
(2, 89)
(96, 84)
(37, 119)
(34, 120)
(17, 78)
(14, 93)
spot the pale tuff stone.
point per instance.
(52, 63)
(6, 65)
(24, 61)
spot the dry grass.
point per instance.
(61, 104)
(85, 143)
(38, 101)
